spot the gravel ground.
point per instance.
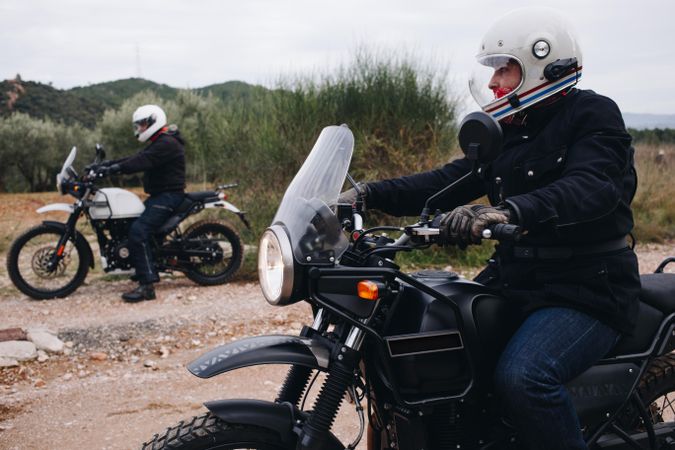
(136, 384)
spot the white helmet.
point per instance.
(151, 116)
(542, 42)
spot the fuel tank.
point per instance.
(115, 203)
(444, 335)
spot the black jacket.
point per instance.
(569, 175)
(163, 162)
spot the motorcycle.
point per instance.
(418, 349)
(52, 259)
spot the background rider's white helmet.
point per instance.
(151, 115)
(543, 43)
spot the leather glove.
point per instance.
(455, 226)
(350, 196)
(464, 225)
(485, 216)
(104, 171)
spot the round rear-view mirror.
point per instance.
(480, 137)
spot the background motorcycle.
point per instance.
(52, 259)
(419, 349)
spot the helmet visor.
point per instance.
(142, 125)
(495, 77)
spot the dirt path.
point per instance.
(141, 387)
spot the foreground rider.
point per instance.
(566, 176)
(163, 164)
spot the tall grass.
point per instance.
(654, 202)
(401, 114)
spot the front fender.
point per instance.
(78, 236)
(66, 207)
(253, 351)
(280, 417)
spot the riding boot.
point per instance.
(142, 292)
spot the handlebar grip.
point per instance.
(502, 232)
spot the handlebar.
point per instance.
(503, 232)
(499, 232)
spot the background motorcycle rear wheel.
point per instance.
(30, 252)
(209, 432)
(210, 274)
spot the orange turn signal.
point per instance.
(367, 290)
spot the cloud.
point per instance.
(76, 42)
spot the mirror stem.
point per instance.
(424, 217)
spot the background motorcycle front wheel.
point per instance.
(229, 247)
(28, 257)
(209, 432)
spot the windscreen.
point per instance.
(64, 175)
(305, 211)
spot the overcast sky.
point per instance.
(629, 46)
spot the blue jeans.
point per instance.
(552, 346)
(158, 208)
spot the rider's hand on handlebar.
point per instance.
(104, 171)
(464, 225)
(350, 195)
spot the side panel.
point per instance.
(455, 348)
(279, 349)
(601, 390)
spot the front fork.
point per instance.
(68, 233)
(340, 376)
(298, 376)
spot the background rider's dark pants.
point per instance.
(553, 346)
(158, 208)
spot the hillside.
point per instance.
(85, 105)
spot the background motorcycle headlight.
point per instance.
(275, 265)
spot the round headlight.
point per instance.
(275, 265)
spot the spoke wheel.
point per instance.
(34, 269)
(224, 248)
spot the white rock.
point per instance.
(163, 352)
(67, 376)
(42, 356)
(8, 362)
(19, 350)
(45, 340)
(149, 363)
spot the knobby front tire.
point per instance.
(29, 253)
(207, 432)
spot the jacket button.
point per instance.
(498, 180)
(530, 173)
(559, 160)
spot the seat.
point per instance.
(658, 290)
(648, 322)
(657, 300)
(202, 196)
(178, 215)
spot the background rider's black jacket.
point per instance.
(163, 162)
(568, 173)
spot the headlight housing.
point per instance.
(275, 265)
